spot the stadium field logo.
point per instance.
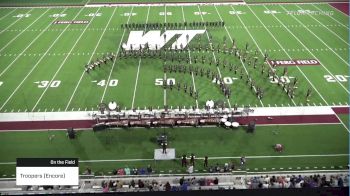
(294, 62)
(71, 22)
(155, 40)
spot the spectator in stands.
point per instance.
(216, 181)
(181, 180)
(132, 183)
(119, 184)
(167, 186)
(141, 184)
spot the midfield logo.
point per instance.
(156, 40)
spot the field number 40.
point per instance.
(340, 78)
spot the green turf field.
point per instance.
(41, 61)
(229, 146)
(42, 69)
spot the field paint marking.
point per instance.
(16, 21)
(65, 59)
(8, 14)
(327, 28)
(35, 64)
(342, 123)
(211, 47)
(164, 101)
(8, 66)
(189, 56)
(290, 56)
(331, 17)
(115, 59)
(138, 67)
(210, 158)
(249, 35)
(92, 54)
(287, 53)
(312, 53)
(13, 39)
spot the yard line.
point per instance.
(92, 54)
(19, 55)
(54, 76)
(13, 39)
(34, 65)
(15, 22)
(138, 67)
(211, 47)
(249, 35)
(288, 55)
(115, 59)
(342, 123)
(189, 56)
(311, 52)
(331, 17)
(8, 14)
(327, 28)
(164, 72)
(346, 62)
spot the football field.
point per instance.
(42, 63)
(44, 52)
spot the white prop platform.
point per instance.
(170, 154)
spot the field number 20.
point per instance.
(45, 83)
(340, 78)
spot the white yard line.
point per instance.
(164, 101)
(189, 56)
(249, 35)
(211, 47)
(115, 59)
(8, 14)
(331, 17)
(14, 22)
(63, 62)
(311, 52)
(346, 62)
(288, 56)
(92, 54)
(20, 54)
(346, 42)
(34, 65)
(342, 123)
(13, 39)
(138, 67)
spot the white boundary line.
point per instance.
(13, 39)
(115, 59)
(189, 56)
(15, 22)
(63, 62)
(331, 17)
(313, 54)
(92, 54)
(35, 64)
(8, 14)
(326, 28)
(138, 67)
(288, 55)
(211, 47)
(210, 158)
(19, 55)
